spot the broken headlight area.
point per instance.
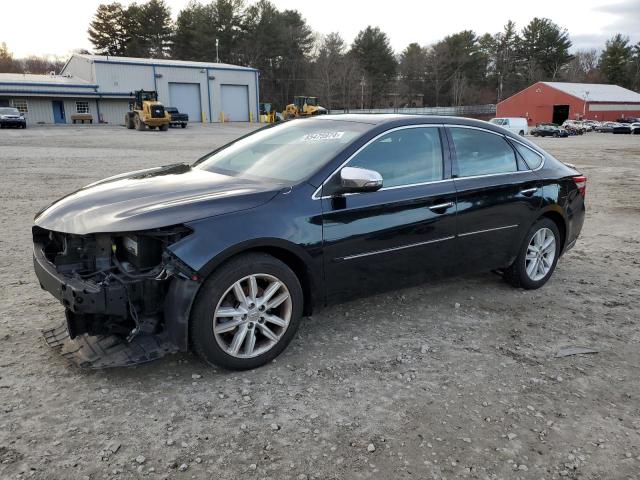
(110, 284)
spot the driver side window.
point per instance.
(404, 157)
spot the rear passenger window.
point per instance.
(482, 153)
(404, 157)
(533, 159)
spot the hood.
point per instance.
(153, 198)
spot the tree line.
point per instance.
(30, 64)
(461, 69)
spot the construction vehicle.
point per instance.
(303, 106)
(147, 111)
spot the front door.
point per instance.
(498, 197)
(58, 111)
(399, 235)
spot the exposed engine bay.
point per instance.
(111, 285)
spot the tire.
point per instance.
(184, 125)
(521, 133)
(218, 293)
(139, 124)
(517, 273)
(555, 135)
(164, 128)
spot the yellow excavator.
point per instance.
(147, 111)
(303, 106)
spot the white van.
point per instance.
(513, 124)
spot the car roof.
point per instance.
(405, 119)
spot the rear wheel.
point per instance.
(164, 127)
(246, 312)
(184, 125)
(537, 258)
(521, 133)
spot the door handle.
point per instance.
(441, 206)
(527, 192)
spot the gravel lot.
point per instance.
(453, 380)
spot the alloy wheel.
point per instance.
(541, 254)
(252, 315)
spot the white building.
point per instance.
(99, 88)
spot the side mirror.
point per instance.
(354, 179)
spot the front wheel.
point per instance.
(164, 128)
(537, 258)
(246, 312)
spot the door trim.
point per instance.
(402, 247)
(466, 234)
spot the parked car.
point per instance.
(591, 124)
(606, 127)
(226, 255)
(515, 125)
(177, 118)
(622, 128)
(575, 126)
(11, 117)
(546, 130)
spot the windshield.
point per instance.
(9, 111)
(498, 121)
(288, 152)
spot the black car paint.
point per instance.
(340, 246)
(177, 117)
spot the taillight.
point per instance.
(581, 183)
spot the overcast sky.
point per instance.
(57, 27)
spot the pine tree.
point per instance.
(615, 61)
(156, 28)
(372, 50)
(107, 30)
(544, 49)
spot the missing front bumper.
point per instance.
(106, 351)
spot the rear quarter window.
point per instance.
(533, 159)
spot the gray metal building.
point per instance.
(99, 88)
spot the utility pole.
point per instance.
(584, 105)
(217, 58)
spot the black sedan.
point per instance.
(622, 128)
(11, 117)
(226, 255)
(549, 131)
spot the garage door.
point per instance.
(186, 98)
(235, 103)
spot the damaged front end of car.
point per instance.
(126, 295)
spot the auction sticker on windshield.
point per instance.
(319, 136)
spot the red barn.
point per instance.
(555, 102)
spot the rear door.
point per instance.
(396, 236)
(498, 197)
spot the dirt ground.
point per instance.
(452, 380)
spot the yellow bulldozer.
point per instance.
(147, 111)
(303, 106)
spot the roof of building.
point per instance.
(162, 62)
(596, 92)
(44, 80)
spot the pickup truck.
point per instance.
(177, 118)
